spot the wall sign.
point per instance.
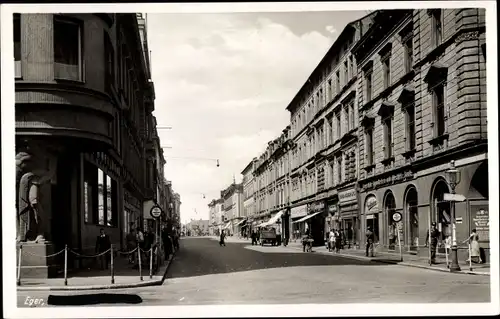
(371, 205)
(298, 211)
(388, 180)
(481, 221)
(347, 196)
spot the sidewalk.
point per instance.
(125, 276)
(395, 258)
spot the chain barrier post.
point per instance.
(112, 266)
(140, 262)
(151, 263)
(19, 265)
(65, 265)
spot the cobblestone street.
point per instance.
(203, 273)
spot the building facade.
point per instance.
(233, 207)
(84, 98)
(422, 103)
(248, 193)
(324, 121)
(215, 211)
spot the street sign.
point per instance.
(396, 217)
(454, 197)
(155, 211)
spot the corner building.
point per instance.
(84, 98)
(422, 103)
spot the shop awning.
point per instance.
(241, 222)
(273, 219)
(306, 217)
(227, 225)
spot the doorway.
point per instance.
(412, 213)
(373, 222)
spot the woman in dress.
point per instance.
(475, 253)
(331, 240)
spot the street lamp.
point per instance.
(453, 176)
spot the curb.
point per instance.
(156, 282)
(406, 264)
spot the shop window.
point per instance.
(442, 210)
(17, 45)
(412, 213)
(67, 49)
(102, 192)
(390, 209)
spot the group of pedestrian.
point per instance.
(336, 240)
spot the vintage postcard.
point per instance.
(250, 159)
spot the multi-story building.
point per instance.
(422, 103)
(84, 97)
(272, 183)
(248, 192)
(215, 216)
(176, 214)
(324, 123)
(198, 227)
(233, 207)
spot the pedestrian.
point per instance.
(140, 243)
(475, 249)
(331, 240)
(131, 245)
(254, 238)
(338, 241)
(343, 239)
(166, 242)
(222, 237)
(102, 244)
(434, 234)
(369, 241)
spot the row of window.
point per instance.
(274, 199)
(336, 125)
(315, 102)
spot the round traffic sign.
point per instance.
(396, 217)
(155, 211)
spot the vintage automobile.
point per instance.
(268, 236)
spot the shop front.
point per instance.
(296, 213)
(349, 216)
(316, 221)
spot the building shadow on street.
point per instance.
(204, 257)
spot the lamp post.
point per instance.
(453, 175)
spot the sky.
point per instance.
(223, 82)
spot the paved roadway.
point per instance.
(203, 273)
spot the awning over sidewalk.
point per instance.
(227, 225)
(273, 219)
(306, 217)
(241, 222)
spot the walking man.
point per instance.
(131, 245)
(369, 241)
(434, 234)
(102, 244)
(222, 237)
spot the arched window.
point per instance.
(411, 207)
(390, 209)
(441, 209)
